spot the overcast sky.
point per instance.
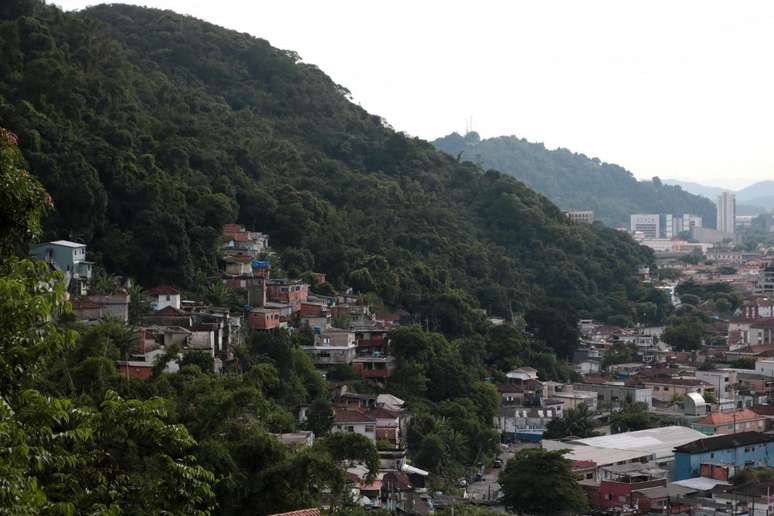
(674, 89)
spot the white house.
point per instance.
(354, 422)
(165, 296)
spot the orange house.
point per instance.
(263, 319)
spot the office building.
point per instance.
(647, 224)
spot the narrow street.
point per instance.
(487, 489)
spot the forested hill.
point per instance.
(575, 181)
(152, 129)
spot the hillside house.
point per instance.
(69, 258)
(100, 306)
(375, 366)
(263, 319)
(238, 265)
(332, 346)
(165, 296)
(354, 421)
(237, 241)
(388, 425)
(288, 292)
(168, 316)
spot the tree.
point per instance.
(619, 353)
(22, 199)
(139, 304)
(576, 422)
(744, 363)
(320, 417)
(349, 446)
(538, 481)
(201, 359)
(687, 334)
(633, 416)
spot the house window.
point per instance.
(350, 429)
(167, 297)
(589, 476)
(369, 428)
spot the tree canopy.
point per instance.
(152, 129)
(538, 481)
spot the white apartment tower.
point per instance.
(726, 205)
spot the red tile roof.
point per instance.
(382, 413)
(302, 512)
(163, 290)
(727, 418)
(352, 416)
(233, 228)
(509, 387)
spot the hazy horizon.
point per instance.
(678, 91)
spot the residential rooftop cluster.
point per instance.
(713, 402)
(345, 332)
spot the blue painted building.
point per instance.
(742, 450)
(69, 258)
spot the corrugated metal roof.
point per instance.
(600, 456)
(700, 483)
(660, 441)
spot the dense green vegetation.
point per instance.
(718, 296)
(151, 129)
(576, 182)
(541, 482)
(81, 438)
(576, 422)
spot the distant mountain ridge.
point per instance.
(574, 181)
(755, 197)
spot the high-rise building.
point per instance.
(649, 224)
(726, 205)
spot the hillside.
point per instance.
(574, 181)
(152, 129)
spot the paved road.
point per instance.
(488, 489)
